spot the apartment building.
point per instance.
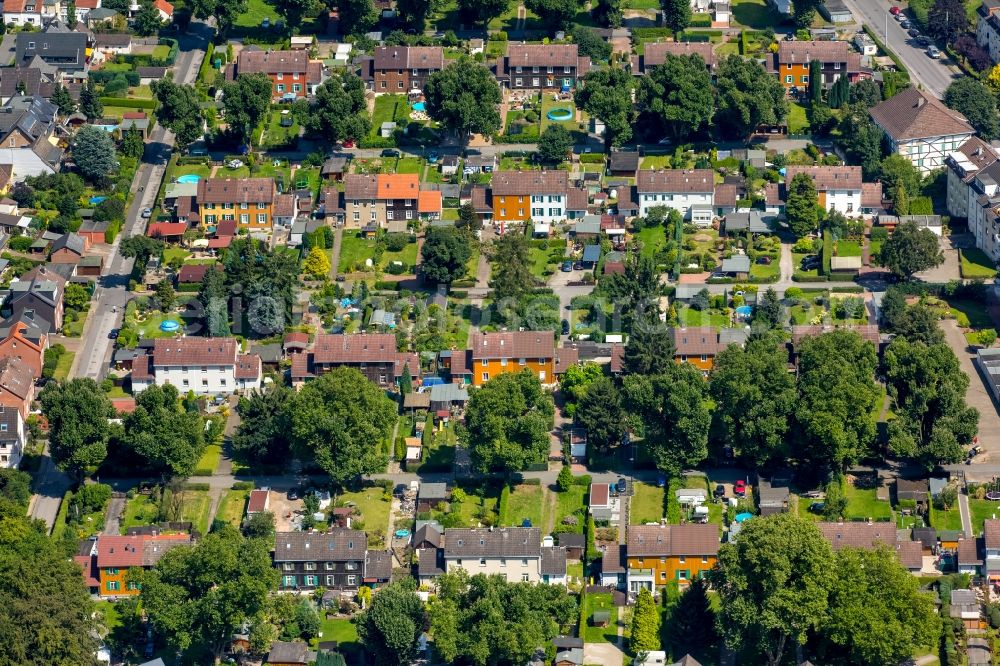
(691, 192)
(921, 128)
(659, 554)
(248, 201)
(206, 366)
(372, 354)
(307, 560)
(399, 69)
(292, 73)
(974, 192)
(988, 28)
(540, 66)
(792, 63)
(373, 201)
(540, 196)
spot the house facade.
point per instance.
(838, 188)
(372, 354)
(399, 69)
(493, 354)
(540, 196)
(539, 66)
(921, 128)
(836, 59)
(206, 366)
(691, 192)
(292, 74)
(988, 28)
(13, 436)
(307, 560)
(38, 297)
(373, 201)
(512, 552)
(660, 554)
(248, 201)
(24, 341)
(656, 54)
(115, 555)
(697, 345)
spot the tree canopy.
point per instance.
(679, 93)
(508, 420)
(556, 14)
(225, 12)
(607, 95)
(262, 435)
(676, 14)
(601, 413)
(748, 96)
(94, 153)
(167, 439)
(971, 98)
(464, 98)
(339, 110)
(390, 628)
(79, 430)
(482, 11)
(802, 206)
(910, 249)
(555, 143)
(247, 100)
(179, 108)
(444, 255)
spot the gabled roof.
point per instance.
(496, 542)
(338, 544)
(16, 377)
(66, 50)
(656, 54)
(914, 114)
(672, 540)
(409, 57)
(523, 183)
(695, 340)
(804, 52)
(828, 177)
(194, 351)
(675, 181)
(512, 344)
(858, 535)
(72, 242)
(378, 565)
(251, 61)
(991, 533)
(542, 55)
(235, 190)
(355, 348)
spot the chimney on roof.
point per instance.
(921, 101)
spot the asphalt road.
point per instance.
(934, 75)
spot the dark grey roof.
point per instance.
(66, 50)
(378, 565)
(623, 161)
(498, 542)
(567, 642)
(553, 561)
(753, 220)
(430, 562)
(101, 14)
(571, 539)
(71, 242)
(736, 264)
(433, 491)
(427, 533)
(288, 653)
(8, 424)
(592, 253)
(335, 545)
(269, 353)
(11, 77)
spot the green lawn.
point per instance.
(571, 503)
(548, 104)
(526, 502)
(599, 602)
(978, 316)
(862, 503)
(374, 508)
(250, 19)
(642, 4)
(409, 165)
(388, 108)
(688, 316)
(797, 121)
(354, 250)
(195, 507)
(475, 508)
(161, 52)
(653, 240)
(202, 170)
(946, 520)
(174, 253)
(108, 616)
(800, 274)
(846, 248)
(408, 255)
(981, 510)
(209, 461)
(802, 505)
(756, 14)
(275, 135)
(139, 510)
(149, 327)
(646, 504)
(232, 506)
(342, 630)
(655, 162)
(766, 271)
(239, 172)
(63, 365)
(976, 264)
(545, 256)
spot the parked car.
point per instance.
(578, 266)
(147, 213)
(913, 32)
(621, 485)
(900, 16)
(764, 261)
(113, 334)
(565, 327)
(934, 52)
(817, 507)
(566, 267)
(923, 40)
(740, 488)
(813, 494)
(895, 11)
(348, 143)
(720, 491)
(390, 152)
(811, 262)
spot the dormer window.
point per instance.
(31, 45)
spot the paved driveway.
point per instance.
(977, 396)
(949, 269)
(602, 654)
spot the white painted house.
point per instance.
(206, 366)
(513, 552)
(13, 436)
(691, 192)
(974, 192)
(988, 28)
(921, 128)
(837, 187)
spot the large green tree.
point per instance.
(774, 584)
(262, 435)
(247, 100)
(877, 612)
(340, 421)
(897, 170)
(608, 13)
(225, 12)
(197, 597)
(650, 348)
(510, 277)
(748, 96)
(179, 110)
(802, 205)
(147, 21)
(804, 11)
(645, 628)
(293, 11)
(464, 97)
(555, 144)
(509, 420)
(90, 102)
(754, 398)
(933, 423)
(556, 14)
(679, 93)
(970, 97)
(166, 438)
(607, 95)
(676, 14)
(861, 139)
(444, 255)
(63, 100)
(602, 414)
(79, 429)
(486, 621)
(389, 629)
(482, 11)
(910, 249)
(672, 414)
(692, 622)
(838, 399)
(94, 153)
(133, 143)
(339, 110)
(946, 20)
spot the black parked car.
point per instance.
(390, 152)
(565, 327)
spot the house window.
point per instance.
(312, 580)
(567, 69)
(805, 78)
(486, 378)
(541, 375)
(310, 566)
(288, 566)
(503, 362)
(522, 361)
(262, 206)
(112, 572)
(518, 82)
(357, 215)
(681, 559)
(503, 561)
(663, 575)
(789, 78)
(113, 586)
(682, 574)
(482, 561)
(185, 382)
(261, 218)
(383, 84)
(704, 559)
(518, 70)
(524, 578)
(534, 81)
(400, 85)
(388, 214)
(288, 581)
(244, 205)
(280, 87)
(133, 586)
(222, 381)
(244, 218)
(352, 580)
(503, 212)
(409, 214)
(280, 76)
(373, 216)
(524, 563)
(704, 358)
(31, 45)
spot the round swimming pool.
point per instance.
(419, 106)
(169, 326)
(744, 310)
(559, 114)
(189, 178)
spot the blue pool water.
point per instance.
(169, 326)
(189, 178)
(419, 106)
(559, 114)
(96, 200)
(744, 310)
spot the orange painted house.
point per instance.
(836, 59)
(115, 555)
(247, 201)
(291, 72)
(659, 554)
(518, 196)
(697, 345)
(493, 354)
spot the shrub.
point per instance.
(592, 158)
(92, 497)
(243, 485)
(395, 242)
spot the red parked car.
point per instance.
(740, 488)
(894, 10)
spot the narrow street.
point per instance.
(963, 511)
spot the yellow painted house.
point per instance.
(659, 554)
(247, 201)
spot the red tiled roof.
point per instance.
(670, 540)
(804, 52)
(123, 405)
(247, 366)
(297, 340)
(140, 368)
(166, 229)
(828, 177)
(235, 190)
(409, 57)
(910, 554)
(225, 228)
(599, 493)
(194, 351)
(565, 357)
(258, 501)
(272, 62)
(514, 344)
(523, 183)
(355, 348)
(991, 533)
(119, 552)
(194, 273)
(429, 201)
(164, 7)
(858, 535)
(542, 55)
(617, 357)
(695, 340)
(656, 54)
(91, 576)
(675, 181)
(871, 195)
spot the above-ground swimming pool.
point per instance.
(189, 178)
(169, 326)
(744, 311)
(559, 114)
(96, 200)
(419, 106)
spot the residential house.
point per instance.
(869, 535)
(971, 158)
(613, 560)
(915, 491)
(292, 73)
(574, 543)
(400, 69)
(259, 501)
(569, 657)
(540, 196)
(965, 607)
(969, 558)
(493, 354)
(658, 554)
(68, 249)
(13, 436)
(205, 366)
(552, 567)
(335, 167)
(24, 341)
(372, 354)
(113, 43)
(378, 567)
(868, 332)
(373, 201)
(115, 555)
(285, 653)
(987, 28)
(535, 66)
(17, 385)
(771, 498)
(308, 560)
(656, 54)
(165, 9)
(66, 51)
(697, 345)
(99, 17)
(27, 137)
(37, 296)
(836, 58)
(921, 128)
(837, 187)
(429, 495)
(513, 552)
(991, 549)
(691, 192)
(29, 81)
(602, 505)
(624, 162)
(285, 209)
(247, 200)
